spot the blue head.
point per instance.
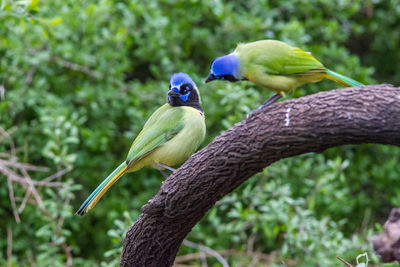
(183, 91)
(225, 68)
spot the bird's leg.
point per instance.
(270, 101)
(164, 173)
(166, 166)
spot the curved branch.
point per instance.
(368, 114)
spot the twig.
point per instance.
(25, 166)
(24, 201)
(56, 175)
(68, 253)
(5, 155)
(7, 134)
(34, 191)
(2, 92)
(250, 248)
(206, 250)
(29, 76)
(23, 181)
(61, 219)
(76, 67)
(9, 246)
(12, 199)
(11, 168)
(344, 262)
(203, 259)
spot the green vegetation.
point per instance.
(79, 78)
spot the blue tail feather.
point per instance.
(82, 210)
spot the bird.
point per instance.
(169, 137)
(273, 65)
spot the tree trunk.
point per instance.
(367, 114)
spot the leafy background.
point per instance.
(79, 78)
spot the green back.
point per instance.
(163, 125)
(277, 58)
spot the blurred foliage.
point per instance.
(78, 79)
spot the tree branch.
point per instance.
(368, 114)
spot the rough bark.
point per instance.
(387, 244)
(368, 114)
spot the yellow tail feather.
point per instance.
(337, 77)
(96, 199)
(327, 76)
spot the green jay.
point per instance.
(274, 65)
(172, 133)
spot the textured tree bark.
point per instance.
(368, 114)
(387, 244)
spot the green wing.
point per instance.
(163, 125)
(278, 58)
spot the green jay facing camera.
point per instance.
(169, 137)
(274, 65)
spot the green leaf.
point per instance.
(54, 21)
(33, 5)
(45, 33)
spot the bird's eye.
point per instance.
(185, 88)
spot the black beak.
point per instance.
(172, 93)
(210, 78)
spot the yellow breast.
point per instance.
(181, 146)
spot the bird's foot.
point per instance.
(163, 172)
(267, 103)
(270, 101)
(166, 166)
(251, 114)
